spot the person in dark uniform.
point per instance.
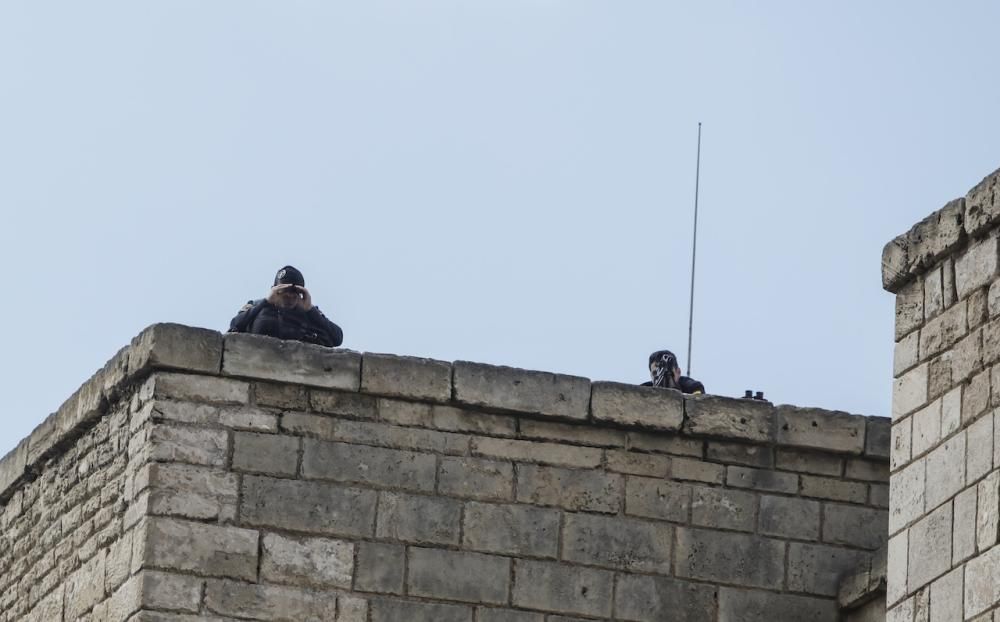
(287, 313)
(666, 374)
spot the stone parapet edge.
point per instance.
(913, 253)
(494, 389)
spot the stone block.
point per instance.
(809, 462)
(656, 498)
(906, 496)
(948, 281)
(475, 478)
(979, 448)
(946, 470)
(461, 420)
(726, 417)
(591, 491)
(762, 479)
(944, 331)
(170, 443)
(315, 562)
(268, 602)
(964, 526)
(740, 559)
(508, 388)
(490, 614)
(909, 308)
(269, 454)
(380, 568)
(548, 586)
(161, 590)
(982, 206)
(286, 396)
(460, 576)
(118, 562)
(173, 346)
(643, 598)
(12, 467)
(411, 518)
(926, 428)
(967, 356)
(991, 340)
(978, 312)
(896, 570)
(788, 517)
(407, 413)
(85, 587)
(627, 404)
(406, 376)
(813, 428)
(930, 548)
(745, 454)
(939, 375)
(737, 605)
(909, 392)
(723, 508)
(571, 433)
(247, 418)
(209, 550)
(833, 489)
(993, 299)
(906, 353)
(511, 530)
(946, 597)
(903, 612)
(620, 543)
(933, 293)
(316, 507)
(196, 388)
(976, 267)
(982, 589)
(879, 495)
(895, 271)
(352, 609)
(867, 470)
(192, 492)
(987, 514)
(351, 405)
(294, 362)
(368, 465)
(817, 569)
(531, 451)
(976, 396)
(637, 463)
(692, 470)
(951, 411)
(666, 444)
(853, 526)
(385, 610)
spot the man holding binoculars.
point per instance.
(287, 313)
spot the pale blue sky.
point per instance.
(508, 182)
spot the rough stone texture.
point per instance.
(631, 405)
(509, 388)
(924, 244)
(814, 428)
(270, 488)
(981, 205)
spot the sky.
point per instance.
(509, 182)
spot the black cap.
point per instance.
(289, 275)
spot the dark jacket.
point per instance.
(685, 384)
(260, 317)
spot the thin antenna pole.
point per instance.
(694, 249)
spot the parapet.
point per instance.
(246, 477)
(940, 234)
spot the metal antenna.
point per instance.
(694, 249)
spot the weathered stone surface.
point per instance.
(729, 558)
(531, 451)
(944, 331)
(345, 462)
(161, 590)
(412, 518)
(591, 491)
(270, 454)
(909, 392)
(511, 529)
(406, 376)
(268, 602)
(833, 489)
(316, 507)
(691, 470)
(930, 548)
(709, 415)
(490, 614)
(12, 466)
(737, 605)
(508, 388)
(196, 388)
(723, 508)
(454, 575)
(171, 443)
(982, 582)
(463, 420)
(906, 353)
(253, 356)
(655, 498)
(946, 597)
(967, 356)
(352, 405)
(277, 395)
(896, 570)
(85, 587)
(906, 496)
(924, 244)
(628, 404)
(945, 470)
(762, 479)
(192, 491)
(204, 549)
(981, 205)
(548, 586)
(987, 515)
(789, 517)
(809, 462)
(385, 610)
(909, 308)
(173, 346)
(317, 562)
(926, 428)
(976, 395)
(979, 449)
(813, 428)
(637, 464)
(571, 433)
(977, 266)
(745, 454)
(475, 478)
(818, 569)
(625, 544)
(643, 598)
(854, 526)
(964, 526)
(380, 567)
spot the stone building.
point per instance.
(202, 477)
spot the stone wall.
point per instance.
(943, 563)
(249, 478)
